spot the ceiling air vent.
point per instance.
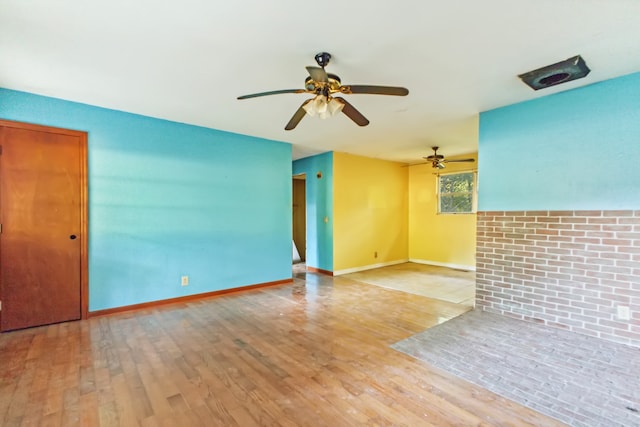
(554, 74)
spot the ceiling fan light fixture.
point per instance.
(334, 107)
(323, 107)
(316, 106)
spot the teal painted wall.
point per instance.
(573, 150)
(319, 193)
(168, 199)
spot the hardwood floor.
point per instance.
(314, 353)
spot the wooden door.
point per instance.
(43, 217)
(299, 215)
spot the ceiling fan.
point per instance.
(324, 85)
(438, 161)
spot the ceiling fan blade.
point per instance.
(415, 164)
(459, 161)
(318, 74)
(351, 112)
(375, 90)
(297, 116)
(273, 92)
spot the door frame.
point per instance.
(84, 210)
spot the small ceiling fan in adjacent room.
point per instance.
(438, 161)
(324, 85)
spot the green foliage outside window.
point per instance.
(456, 192)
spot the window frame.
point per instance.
(474, 193)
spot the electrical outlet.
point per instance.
(623, 313)
(375, 254)
(184, 281)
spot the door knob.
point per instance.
(73, 236)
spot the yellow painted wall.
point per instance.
(438, 238)
(370, 206)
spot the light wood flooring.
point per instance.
(312, 353)
(457, 286)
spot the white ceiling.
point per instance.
(187, 61)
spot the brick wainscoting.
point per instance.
(569, 269)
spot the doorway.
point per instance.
(43, 215)
(299, 215)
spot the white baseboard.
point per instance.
(368, 267)
(444, 264)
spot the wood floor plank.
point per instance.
(70, 405)
(108, 414)
(124, 401)
(312, 353)
(88, 409)
(156, 395)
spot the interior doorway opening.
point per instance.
(299, 225)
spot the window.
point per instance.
(456, 193)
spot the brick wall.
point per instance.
(569, 269)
